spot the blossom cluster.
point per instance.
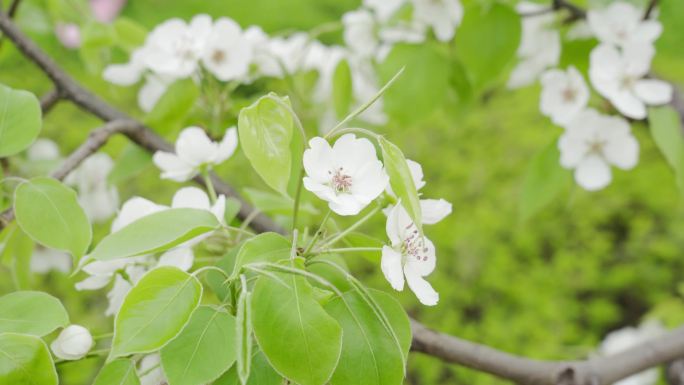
(349, 176)
(618, 71)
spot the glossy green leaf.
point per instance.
(262, 374)
(266, 247)
(423, 85)
(300, 340)
(203, 351)
(49, 213)
(155, 311)
(487, 40)
(118, 372)
(265, 131)
(17, 252)
(20, 120)
(25, 360)
(31, 312)
(370, 354)
(342, 89)
(155, 232)
(171, 110)
(666, 129)
(244, 334)
(401, 179)
(544, 180)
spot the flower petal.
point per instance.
(391, 267)
(421, 288)
(434, 210)
(194, 147)
(191, 197)
(653, 91)
(180, 257)
(593, 173)
(227, 146)
(173, 167)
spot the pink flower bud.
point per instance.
(69, 35)
(105, 11)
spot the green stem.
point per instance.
(297, 198)
(210, 186)
(317, 234)
(348, 250)
(210, 268)
(351, 228)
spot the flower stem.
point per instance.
(210, 186)
(347, 250)
(317, 234)
(351, 228)
(297, 198)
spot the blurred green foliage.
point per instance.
(550, 286)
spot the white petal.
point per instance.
(653, 92)
(94, 282)
(227, 146)
(434, 210)
(593, 173)
(73, 343)
(416, 173)
(181, 258)
(194, 147)
(353, 153)
(628, 104)
(134, 209)
(369, 182)
(391, 267)
(173, 167)
(424, 263)
(46, 260)
(422, 288)
(346, 205)
(150, 93)
(621, 148)
(117, 295)
(191, 197)
(219, 209)
(318, 160)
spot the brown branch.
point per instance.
(674, 372)
(649, 10)
(595, 371)
(145, 137)
(49, 100)
(576, 13)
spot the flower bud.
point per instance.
(73, 343)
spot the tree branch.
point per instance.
(595, 371)
(49, 100)
(68, 88)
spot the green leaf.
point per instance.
(233, 206)
(203, 351)
(18, 251)
(25, 360)
(262, 374)
(132, 161)
(370, 354)
(401, 180)
(300, 340)
(118, 372)
(423, 85)
(31, 312)
(265, 131)
(487, 40)
(265, 247)
(170, 112)
(544, 180)
(49, 213)
(20, 120)
(155, 232)
(128, 34)
(277, 204)
(666, 129)
(155, 311)
(244, 334)
(342, 89)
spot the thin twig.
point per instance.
(649, 10)
(49, 100)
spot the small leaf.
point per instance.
(118, 372)
(265, 131)
(25, 360)
(233, 206)
(203, 351)
(20, 120)
(544, 180)
(155, 232)
(370, 354)
(171, 110)
(487, 40)
(31, 312)
(18, 251)
(155, 311)
(401, 179)
(298, 337)
(244, 334)
(342, 89)
(262, 374)
(265, 247)
(128, 34)
(666, 129)
(49, 212)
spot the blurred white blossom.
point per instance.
(623, 24)
(96, 195)
(73, 343)
(43, 149)
(150, 371)
(44, 260)
(592, 143)
(228, 53)
(443, 16)
(564, 94)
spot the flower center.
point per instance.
(596, 146)
(413, 245)
(341, 182)
(183, 47)
(218, 56)
(569, 95)
(627, 82)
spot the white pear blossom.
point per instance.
(196, 198)
(432, 210)
(73, 343)
(154, 88)
(290, 52)
(98, 198)
(347, 175)
(442, 15)
(592, 143)
(150, 371)
(628, 337)
(127, 74)
(175, 47)
(623, 24)
(227, 53)
(45, 260)
(619, 76)
(410, 256)
(540, 45)
(384, 9)
(264, 63)
(360, 32)
(43, 149)
(194, 150)
(564, 94)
